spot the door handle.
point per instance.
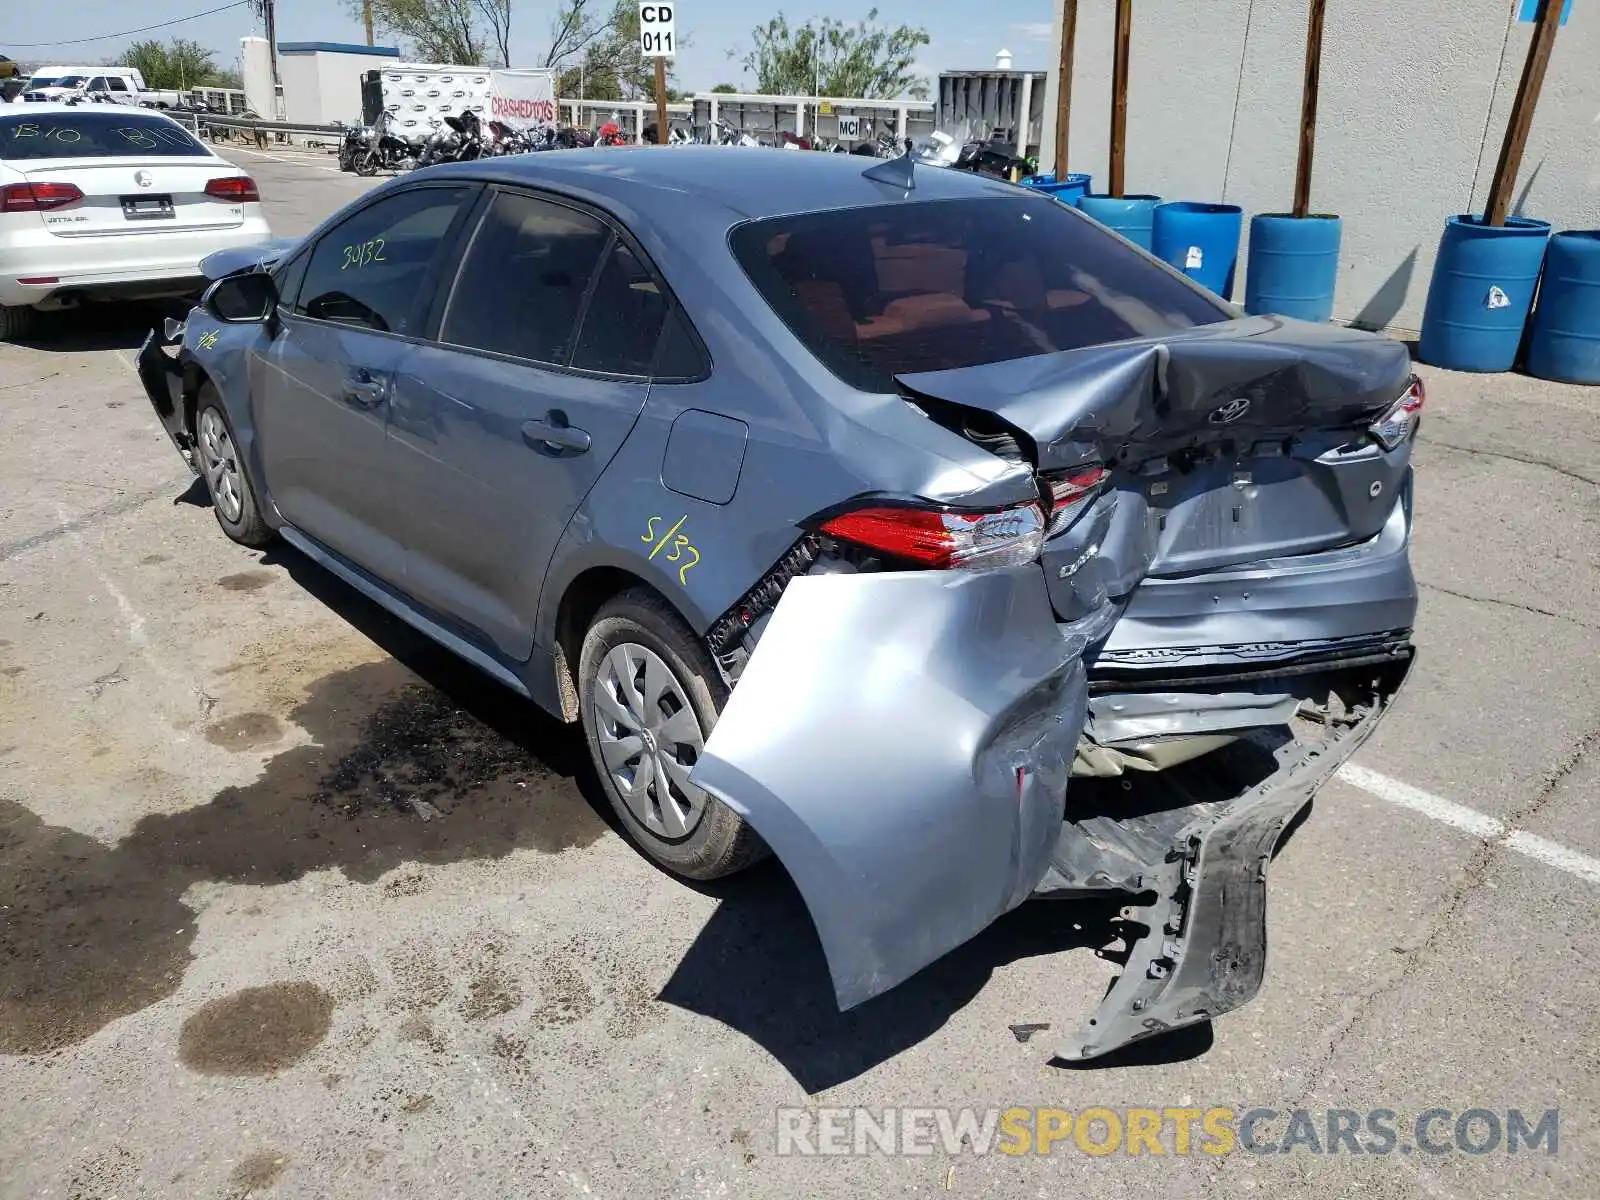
(364, 390)
(554, 434)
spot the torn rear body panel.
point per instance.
(1221, 606)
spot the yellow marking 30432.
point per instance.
(680, 544)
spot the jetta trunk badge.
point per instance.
(143, 178)
(1225, 414)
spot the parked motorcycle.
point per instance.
(992, 157)
(352, 144)
(383, 149)
(940, 150)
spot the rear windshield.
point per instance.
(895, 289)
(93, 135)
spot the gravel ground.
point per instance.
(294, 904)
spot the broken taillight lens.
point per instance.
(1068, 494)
(1402, 419)
(1004, 537)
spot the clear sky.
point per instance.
(964, 34)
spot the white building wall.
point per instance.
(302, 87)
(1413, 107)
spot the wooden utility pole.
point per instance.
(661, 102)
(1308, 108)
(1545, 25)
(1119, 95)
(1069, 35)
(366, 17)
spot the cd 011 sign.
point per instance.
(657, 36)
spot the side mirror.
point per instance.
(247, 299)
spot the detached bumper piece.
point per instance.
(903, 741)
(1199, 867)
(161, 374)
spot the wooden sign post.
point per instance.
(1119, 96)
(658, 39)
(1308, 108)
(1069, 36)
(1545, 25)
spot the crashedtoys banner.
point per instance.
(523, 99)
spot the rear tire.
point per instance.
(222, 466)
(15, 322)
(648, 697)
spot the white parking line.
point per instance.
(282, 156)
(1469, 820)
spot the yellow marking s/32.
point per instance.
(679, 545)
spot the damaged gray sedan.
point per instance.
(873, 519)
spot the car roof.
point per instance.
(744, 181)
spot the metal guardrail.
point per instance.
(264, 131)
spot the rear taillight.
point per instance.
(233, 187)
(936, 538)
(1402, 419)
(1068, 493)
(36, 197)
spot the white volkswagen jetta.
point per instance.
(110, 203)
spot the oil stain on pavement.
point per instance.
(246, 581)
(92, 933)
(244, 731)
(256, 1031)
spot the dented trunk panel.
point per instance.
(1233, 383)
(903, 742)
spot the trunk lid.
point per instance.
(1225, 444)
(131, 196)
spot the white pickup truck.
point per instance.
(119, 85)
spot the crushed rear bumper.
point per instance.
(161, 374)
(903, 742)
(1197, 940)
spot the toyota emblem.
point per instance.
(1226, 414)
(143, 178)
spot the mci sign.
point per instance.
(658, 37)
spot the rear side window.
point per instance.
(369, 270)
(623, 321)
(120, 134)
(901, 288)
(522, 283)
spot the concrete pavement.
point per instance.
(235, 959)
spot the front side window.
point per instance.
(369, 270)
(523, 280)
(120, 133)
(901, 288)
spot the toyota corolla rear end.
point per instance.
(102, 205)
(1218, 534)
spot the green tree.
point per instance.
(725, 89)
(837, 58)
(597, 53)
(442, 31)
(177, 65)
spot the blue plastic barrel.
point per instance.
(1294, 264)
(1131, 216)
(1201, 240)
(1481, 291)
(1564, 337)
(1065, 190)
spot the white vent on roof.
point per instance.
(1003, 60)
